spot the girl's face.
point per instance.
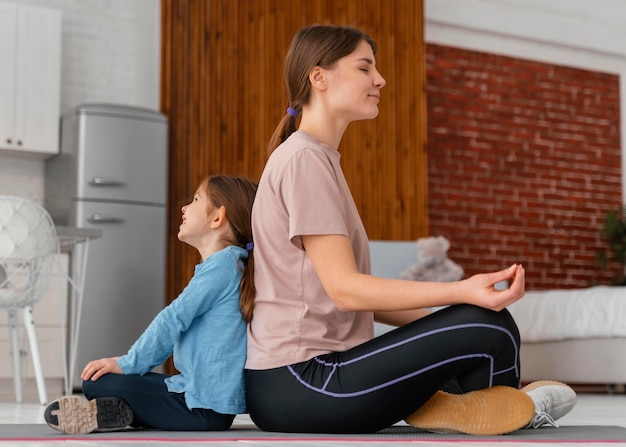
(195, 222)
(355, 84)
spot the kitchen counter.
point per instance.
(69, 236)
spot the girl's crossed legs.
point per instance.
(153, 405)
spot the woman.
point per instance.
(312, 363)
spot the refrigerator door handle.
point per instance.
(99, 219)
(101, 181)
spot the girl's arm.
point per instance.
(333, 260)
(97, 368)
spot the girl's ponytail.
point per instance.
(246, 288)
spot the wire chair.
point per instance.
(28, 245)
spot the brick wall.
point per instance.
(524, 160)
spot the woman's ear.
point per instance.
(317, 77)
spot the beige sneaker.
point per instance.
(552, 400)
(77, 415)
(490, 411)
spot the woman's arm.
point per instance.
(400, 317)
(333, 260)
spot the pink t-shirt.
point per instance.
(302, 191)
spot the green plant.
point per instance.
(614, 232)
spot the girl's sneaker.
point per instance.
(77, 415)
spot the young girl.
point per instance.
(203, 328)
(312, 363)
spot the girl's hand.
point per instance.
(97, 368)
(484, 294)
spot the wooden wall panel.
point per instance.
(222, 89)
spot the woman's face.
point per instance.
(355, 83)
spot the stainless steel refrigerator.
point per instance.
(111, 173)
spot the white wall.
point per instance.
(111, 53)
(577, 33)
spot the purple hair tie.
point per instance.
(293, 112)
(249, 246)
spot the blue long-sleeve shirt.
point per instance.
(205, 331)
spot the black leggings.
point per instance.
(374, 385)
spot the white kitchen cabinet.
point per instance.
(30, 78)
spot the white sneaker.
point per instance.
(553, 400)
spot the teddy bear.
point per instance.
(433, 263)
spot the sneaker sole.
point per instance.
(539, 383)
(77, 415)
(490, 411)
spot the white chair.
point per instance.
(28, 245)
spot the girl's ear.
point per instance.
(219, 217)
(317, 77)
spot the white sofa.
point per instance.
(576, 336)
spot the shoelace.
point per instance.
(542, 418)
